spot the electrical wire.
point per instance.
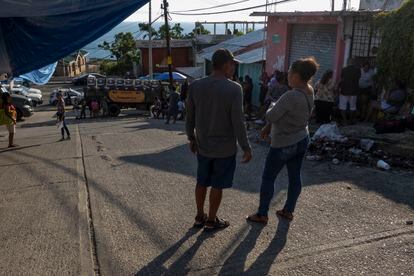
(214, 7)
(230, 11)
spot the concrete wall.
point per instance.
(277, 56)
(181, 57)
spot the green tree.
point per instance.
(124, 50)
(395, 57)
(237, 32)
(162, 31)
(177, 31)
(200, 29)
(144, 27)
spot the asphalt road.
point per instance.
(118, 200)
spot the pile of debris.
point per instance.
(328, 144)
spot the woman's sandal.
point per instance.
(217, 224)
(200, 221)
(257, 219)
(285, 214)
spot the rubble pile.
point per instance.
(328, 144)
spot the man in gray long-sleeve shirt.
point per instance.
(215, 123)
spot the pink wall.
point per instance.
(277, 56)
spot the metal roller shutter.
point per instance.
(314, 40)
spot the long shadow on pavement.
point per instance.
(235, 263)
(387, 184)
(265, 260)
(179, 267)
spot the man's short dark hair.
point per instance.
(221, 57)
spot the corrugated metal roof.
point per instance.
(234, 44)
(253, 56)
(314, 13)
(193, 72)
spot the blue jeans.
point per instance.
(277, 158)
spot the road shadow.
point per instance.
(25, 147)
(166, 161)
(235, 263)
(179, 266)
(152, 123)
(247, 177)
(263, 263)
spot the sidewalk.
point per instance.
(43, 220)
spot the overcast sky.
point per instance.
(180, 5)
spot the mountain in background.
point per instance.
(96, 52)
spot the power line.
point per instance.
(214, 7)
(230, 11)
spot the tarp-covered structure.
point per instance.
(34, 34)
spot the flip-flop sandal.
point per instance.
(218, 224)
(257, 219)
(200, 221)
(285, 214)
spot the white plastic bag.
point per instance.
(329, 132)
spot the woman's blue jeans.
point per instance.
(277, 158)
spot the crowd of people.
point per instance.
(172, 107)
(357, 96)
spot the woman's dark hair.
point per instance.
(401, 84)
(326, 77)
(4, 97)
(305, 67)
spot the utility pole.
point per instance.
(151, 73)
(333, 5)
(167, 36)
(344, 5)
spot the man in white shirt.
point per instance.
(366, 84)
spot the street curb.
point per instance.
(87, 245)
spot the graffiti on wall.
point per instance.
(280, 63)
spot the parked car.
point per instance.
(83, 79)
(23, 105)
(31, 90)
(70, 96)
(21, 81)
(24, 91)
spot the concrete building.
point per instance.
(182, 54)
(72, 65)
(249, 50)
(331, 37)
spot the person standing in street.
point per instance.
(288, 122)
(215, 123)
(61, 110)
(349, 90)
(247, 95)
(325, 98)
(173, 106)
(10, 117)
(366, 84)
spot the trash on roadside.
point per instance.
(329, 132)
(355, 151)
(335, 161)
(383, 165)
(366, 144)
(313, 158)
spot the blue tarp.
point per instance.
(166, 76)
(34, 34)
(40, 76)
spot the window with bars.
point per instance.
(365, 39)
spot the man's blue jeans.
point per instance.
(277, 158)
